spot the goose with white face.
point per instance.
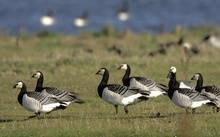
(143, 83)
(62, 95)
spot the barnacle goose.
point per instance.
(175, 83)
(116, 94)
(61, 94)
(147, 84)
(37, 102)
(213, 91)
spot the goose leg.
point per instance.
(187, 111)
(116, 108)
(193, 111)
(126, 109)
(213, 109)
(37, 115)
(217, 109)
(30, 117)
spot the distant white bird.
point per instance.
(147, 84)
(81, 21)
(123, 13)
(37, 102)
(116, 94)
(213, 40)
(48, 19)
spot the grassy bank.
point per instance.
(70, 62)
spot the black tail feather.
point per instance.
(79, 101)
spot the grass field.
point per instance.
(70, 62)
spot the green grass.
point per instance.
(70, 62)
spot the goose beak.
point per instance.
(15, 86)
(194, 78)
(33, 76)
(98, 73)
(119, 67)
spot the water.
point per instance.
(145, 15)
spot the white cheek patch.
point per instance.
(19, 85)
(102, 71)
(197, 76)
(124, 66)
(173, 69)
(37, 75)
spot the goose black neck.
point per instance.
(103, 82)
(173, 82)
(125, 79)
(199, 83)
(22, 92)
(39, 84)
(105, 78)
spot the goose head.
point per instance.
(123, 66)
(207, 37)
(196, 76)
(101, 71)
(37, 75)
(18, 85)
(172, 71)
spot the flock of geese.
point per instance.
(44, 99)
(134, 90)
(137, 89)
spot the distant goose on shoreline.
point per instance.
(213, 91)
(48, 19)
(116, 94)
(64, 96)
(37, 102)
(123, 13)
(82, 20)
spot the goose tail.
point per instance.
(79, 101)
(163, 88)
